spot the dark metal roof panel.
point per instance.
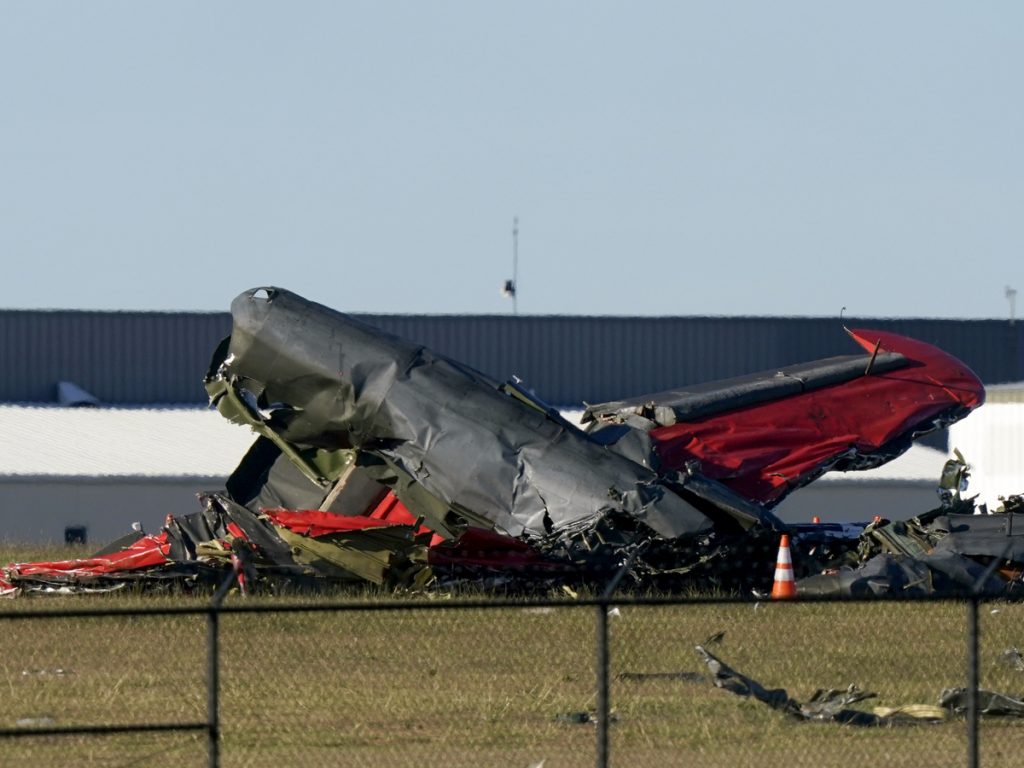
(569, 359)
(129, 358)
(121, 357)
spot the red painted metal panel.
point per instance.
(766, 450)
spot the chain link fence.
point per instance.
(373, 681)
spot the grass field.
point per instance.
(492, 687)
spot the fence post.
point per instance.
(972, 682)
(212, 689)
(602, 655)
(602, 685)
(213, 672)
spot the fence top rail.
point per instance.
(351, 606)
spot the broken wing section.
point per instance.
(765, 435)
(702, 400)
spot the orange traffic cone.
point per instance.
(784, 586)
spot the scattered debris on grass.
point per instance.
(989, 702)
(825, 705)
(1013, 656)
(583, 717)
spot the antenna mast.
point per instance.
(510, 288)
(515, 265)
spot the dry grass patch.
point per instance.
(483, 687)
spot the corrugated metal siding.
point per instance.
(121, 357)
(568, 359)
(148, 357)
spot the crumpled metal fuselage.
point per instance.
(317, 379)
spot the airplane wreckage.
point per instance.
(377, 460)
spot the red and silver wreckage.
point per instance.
(378, 460)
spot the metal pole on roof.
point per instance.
(515, 265)
(510, 287)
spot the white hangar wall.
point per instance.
(41, 510)
(107, 468)
(992, 442)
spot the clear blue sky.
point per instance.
(783, 158)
